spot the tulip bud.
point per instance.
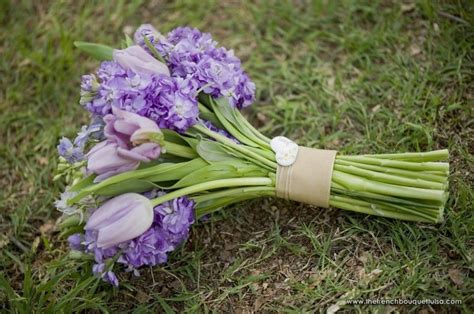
(126, 128)
(136, 58)
(107, 159)
(120, 219)
(131, 139)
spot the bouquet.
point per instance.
(168, 144)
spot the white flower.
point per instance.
(62, 205)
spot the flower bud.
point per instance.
(136, 58)
(120, 219)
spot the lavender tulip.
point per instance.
(136, 58)
(118, 153)
(120, 219)
(127, 128)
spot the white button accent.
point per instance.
(285, 150)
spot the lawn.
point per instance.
(356, 76)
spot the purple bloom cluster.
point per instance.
(169, 101)
(170, 228)
(193, 55)
(73, 151)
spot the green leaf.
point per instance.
(129, 186)
(89, 180)
(208, 173)
(178, 172)
(212, 151)
(98, 51)
(174, 137)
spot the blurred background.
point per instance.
(356, 76)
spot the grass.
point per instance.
(357, 76)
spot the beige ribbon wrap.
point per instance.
(308, 179)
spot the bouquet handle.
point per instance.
(308, 179)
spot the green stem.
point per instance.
(369, 196)
(251, 127)
(224, 183)
(377, 205)
(241, 148)
(436, 155)
(395, 171)
(207, 114)
(153, 50)
(234, 192)
(354, 183)
(367, 208)
(407, 165)
(387, 178)
(180, 150)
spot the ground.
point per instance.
(356, 76)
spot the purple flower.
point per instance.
(107, 159)
(120, 219)
(93, 130)
(100, 254)
(170, 102)
(171, 223)
(75, 241)
(170, 228)
(108, 276)
(149, 32)
(118, 153)
(68, 151)
(136, 59)
(195, 56)
(175, 217)
(148, 249)
(127, 129)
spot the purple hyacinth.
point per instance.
(94, 130)
(170, 228)
(75, 241)
(73, 151)
(68, 151)
(194, 55)
(169, 101)
(99, 270)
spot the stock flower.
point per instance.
(193, 55)
(172, 221)
(120, 219)
(169, 101)
(149, 32)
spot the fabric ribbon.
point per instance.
(308, 179)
